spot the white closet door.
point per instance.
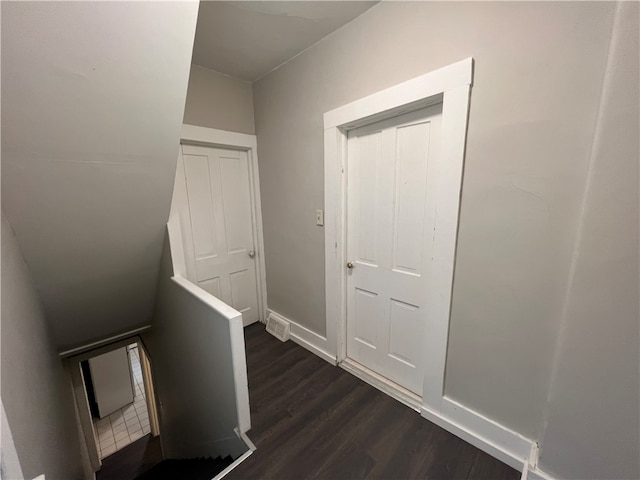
(112, 382)
(219, 200)
(390, 219)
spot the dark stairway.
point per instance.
(187, 469)
(142, 460)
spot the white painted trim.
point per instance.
(381, 383)
(103, 342)
(450, 85)
(251, 448)
(497, 434)
(84, 414)
(235, 463)
(530, 469)
(307, 339)
(194, 134)
(335, 153)
(245, 438)
(241, 381)
(179, 254)
(72, 365)
(418, 89)
(497, 440)
(149, 389)
(211, 137)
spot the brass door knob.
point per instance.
(350, 265)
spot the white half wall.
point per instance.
(199, 366)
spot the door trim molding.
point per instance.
(376, 380)
(451, 86)
(211, 137)
(73, 368)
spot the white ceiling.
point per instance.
(247, 40)
(92, 101)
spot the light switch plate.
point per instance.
(320, 217)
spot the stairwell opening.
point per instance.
(115, 397)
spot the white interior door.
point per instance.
(219, 201)
(112, 382)
(391, 173)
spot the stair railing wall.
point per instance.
(199, 363)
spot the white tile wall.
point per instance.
(128, 424)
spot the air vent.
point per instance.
(278, 327)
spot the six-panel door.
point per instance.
(391, 167)
(219, 200)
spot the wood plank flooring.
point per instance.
(313, 420)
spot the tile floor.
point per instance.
(130, 422)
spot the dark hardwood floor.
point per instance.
(312, 420)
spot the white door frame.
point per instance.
(211, 137)
(72, 365)
(451, 86)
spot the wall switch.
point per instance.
(320, 217)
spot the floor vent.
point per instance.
(278, 327)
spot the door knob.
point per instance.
(251, 254)
(350, 265)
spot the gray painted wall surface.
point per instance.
(538, 75)
(92, 100)
(593, 423)
(36, 391)
(216, 100)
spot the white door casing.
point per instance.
(391, 172)
(182, 244)
(72, 360)
(449, 86)
(218, 197)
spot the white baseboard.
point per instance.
(307, 339)
(489, 436)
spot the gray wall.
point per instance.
(538, 75)
(216, 100)
(593, 422)
(36, 391)
(539, 72)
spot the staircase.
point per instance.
(187, 469)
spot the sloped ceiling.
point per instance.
(247, 40)
(92, 102)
